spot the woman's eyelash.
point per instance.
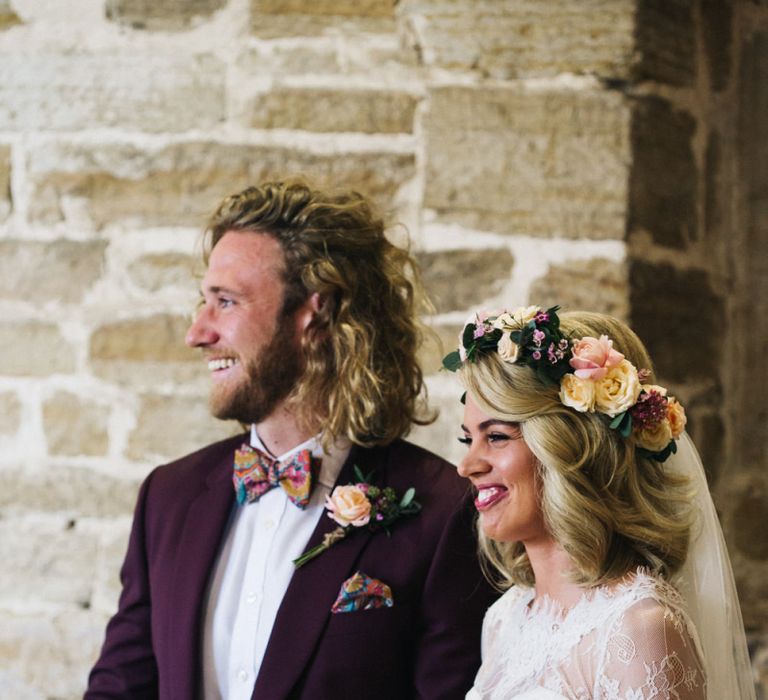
(465, 440)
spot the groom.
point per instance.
(306, 322)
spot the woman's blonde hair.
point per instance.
(610, 509)
(361, 379)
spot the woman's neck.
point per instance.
(550, 566)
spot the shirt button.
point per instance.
(269, 524)
(253, 597)
(242, 675)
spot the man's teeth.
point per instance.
(223, 363)
(485, 495)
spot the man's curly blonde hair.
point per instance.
(361, 380)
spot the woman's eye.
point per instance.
(498, 437)
(465, 440)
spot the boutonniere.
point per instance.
(358, 505)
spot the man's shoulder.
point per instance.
(201, 463)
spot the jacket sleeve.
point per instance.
(455, 599)
(126, 667)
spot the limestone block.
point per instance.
(748, 529)
(154, 92)
(67, 640)
(277, 60)
(526, 37)
(48, 563)
(442, 339)
(60, 270)
(324, 110)
(74, 426)
(274, 18)
(535, 163)
(590, 285)
(664, 174)
(183, 183)
(74, 491)
(716, 22)
(145, 351)
(674, 312)
(7, 16)
(10, 413)
(156, 271)
(160, 14)
(5, 181)
(462, 279)
(33, 348)
(171, 426)
(665, 41)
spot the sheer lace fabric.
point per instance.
(632, 641)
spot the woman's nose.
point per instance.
(472, 464)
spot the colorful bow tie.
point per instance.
(257, 472)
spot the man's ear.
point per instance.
(309, 309)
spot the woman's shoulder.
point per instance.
(513, 598)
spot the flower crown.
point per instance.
(592, 376)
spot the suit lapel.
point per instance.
(306, 607)
(204, 528)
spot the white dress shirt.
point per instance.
(252, 574)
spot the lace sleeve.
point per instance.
(651, 655)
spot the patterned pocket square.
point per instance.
(361, 592)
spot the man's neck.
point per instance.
(280, 432)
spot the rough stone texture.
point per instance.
(314, 109)
(40, 272)
(751, 321)
(438, 342)
(160, 14)
(663, 300)
(275, 18)
(525, 37)
(714, 190)
(594, 285)
(156, 271)
(749, 527)
(663, 179)
(717, 17)
(180, 184)
(56, 559)
(665, 39)
(74, 491)
(8, 17)
(10, 412)
(145, 351)
(33, 348)
(74, 426)
(5, 181)
(489, 271)
(77, 91)
(68, 640)
(542, 164)
(168, 424)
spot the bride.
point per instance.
(596, 518)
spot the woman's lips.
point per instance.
(489, 496)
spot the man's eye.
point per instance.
(224, 302)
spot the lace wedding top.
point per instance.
(629, 641)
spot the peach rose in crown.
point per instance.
(508, 348)
(593, 357)
(577, 393)
(676, 417)
(348, 505)
(655, 438)
(618, 389)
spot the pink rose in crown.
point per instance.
(593, 357)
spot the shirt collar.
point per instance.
(331, 461)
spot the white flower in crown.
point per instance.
(508, 349)
(517, 318)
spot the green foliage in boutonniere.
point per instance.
(361, 504)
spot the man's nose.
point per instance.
(201, 332)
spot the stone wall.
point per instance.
(608, 154)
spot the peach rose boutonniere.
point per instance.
(358, 505)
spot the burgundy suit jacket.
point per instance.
(427, 645)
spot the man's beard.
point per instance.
(269, 379)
